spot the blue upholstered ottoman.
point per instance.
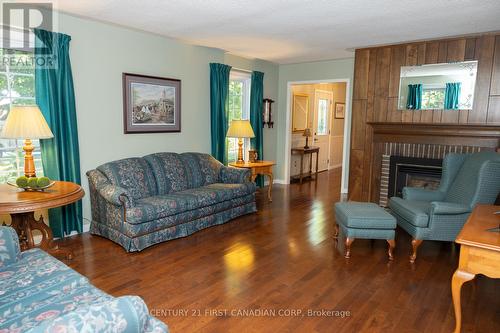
(364, 220)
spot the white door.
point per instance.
(321, 135)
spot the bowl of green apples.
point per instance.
(32, 183)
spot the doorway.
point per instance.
(321, 108)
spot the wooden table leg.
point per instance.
(310, 165)
(458, 279)
(317, 160)
(269, 191)
(301, 167)
(25, 223)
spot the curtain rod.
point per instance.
(241, 70)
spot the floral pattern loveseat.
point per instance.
(38, 293)
(139, 202)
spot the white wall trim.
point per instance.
(275, 181)
(347, 129)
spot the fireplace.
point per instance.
(413, 172)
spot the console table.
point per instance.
(306, 151)
(479, 252)
(259, 168)
(21, 206)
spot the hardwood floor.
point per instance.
(284, 258)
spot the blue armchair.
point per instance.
(467, 180)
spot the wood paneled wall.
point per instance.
(376, 88)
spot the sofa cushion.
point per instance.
(156, 207)
(415, 212)
(363, 215)
(39, 287)
(126, 314)
(133, 174)
(169, 172)
(202, 169)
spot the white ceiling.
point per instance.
(291, 31)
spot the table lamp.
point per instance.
(26, 122)
(240, 129)
(307, 134)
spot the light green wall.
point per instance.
(312, 71)
(100, 53)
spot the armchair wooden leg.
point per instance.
(415, 243)
(336, 231)
(392, 245)
(348, 242)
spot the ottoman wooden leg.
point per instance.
(392, 245)
(348, 242)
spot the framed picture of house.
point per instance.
(339, 110)
(151, 104)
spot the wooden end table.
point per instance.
(21, 206)
(479, 253)
(306, 151)
(259, 168)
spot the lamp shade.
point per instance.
(240, 129)
(26, 122)
(307, 132)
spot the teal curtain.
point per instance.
(256, 100)
(414, 100)
(452, 96)
(56, 98)
(219, 88)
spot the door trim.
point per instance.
(347, 129)
(315, 121)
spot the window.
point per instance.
(17, 87)
(238, 108)
(322, 117)
(432, 97)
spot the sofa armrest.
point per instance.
(420, 194)
(229, 175)
(127, 314)
(448, 208)
(116, 195)
(10, 251)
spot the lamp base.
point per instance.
(29, 163)
(307, 143)
(240, 159)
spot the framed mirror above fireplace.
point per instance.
(446, 86)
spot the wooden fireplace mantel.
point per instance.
(447, 134)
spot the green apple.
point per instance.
(22, 181)
(32, 182)
(43, 181)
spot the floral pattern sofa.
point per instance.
(139, 202)
(39, 294)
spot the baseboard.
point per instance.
(275, 181)
(335, 166)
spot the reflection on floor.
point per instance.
(279, 270)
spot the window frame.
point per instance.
(12, 165)
(433, 87)
(246, 79)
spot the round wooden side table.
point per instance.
(21, 206)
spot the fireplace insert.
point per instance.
(413, 172)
